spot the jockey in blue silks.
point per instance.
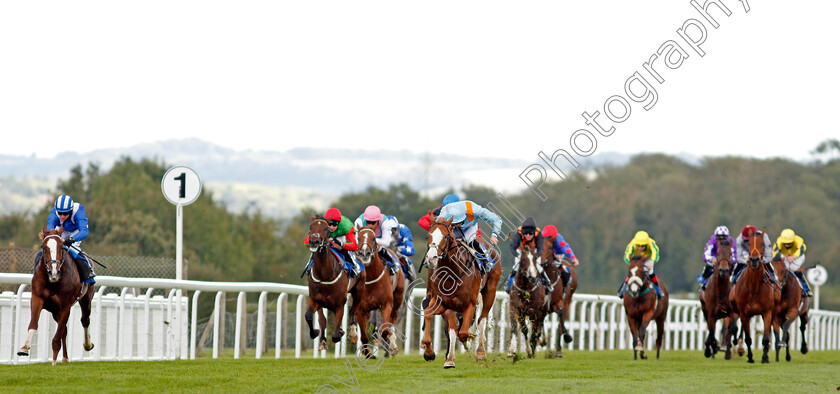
(465, 215)
(405, 248)
(71, 216)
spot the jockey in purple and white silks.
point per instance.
(71, 217)
(465, 215)
(710, 254)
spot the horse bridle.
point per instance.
(448, 237)
(323, 244)
(44, 253)
(536, 284)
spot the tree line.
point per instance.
(597, 211)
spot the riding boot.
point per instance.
(771, 272)
(85, 272)
(565, 277)
(622, 289)
(737, 272)
(509, 284)
(386, 258)
(406, 264)
(655, 281)
(308, 267)
(806, 290)
(704, 277)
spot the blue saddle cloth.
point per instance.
(348, 265)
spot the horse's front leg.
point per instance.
(765, 340)
(464, 330)
(35, 306)
(430, 309)
(536, 329)
(710, 350)
(514, 330)
(452, 322)
(362, 317)
(322, 321)
(313, 333)
(384, 331)
(634, 332)
(745, 330)
(338, 332)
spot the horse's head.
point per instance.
(548, 249)
(319, 233)
(637, 280)
(781, 269)
(723, 265)
(756, 247)
(367, 244)
(52, 252)
(440, 240)
(528, 264)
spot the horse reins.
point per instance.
(322, 245)
(381, 274)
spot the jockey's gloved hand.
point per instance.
(68, 242)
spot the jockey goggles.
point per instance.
(528, 232)
(333, 222)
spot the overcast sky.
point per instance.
(481, 78)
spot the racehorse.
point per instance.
(527, 301)
(787, 308)
(561, 297)
(329, 284)
(754, 294)
(383, 291)
(715, 301)
(454, 287)
(641, 306)
(56, 287)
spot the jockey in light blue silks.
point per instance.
(71, 216)
(465, 215)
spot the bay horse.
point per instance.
(528, 300)
(455, 285)
(561, 297)
(715, 301)
(383, 291)
(56, 287)
(787, 308)
(753, 295)
(329, 284)
(641, 306)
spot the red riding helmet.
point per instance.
(549, 231)
(332, 214)
(748, 229)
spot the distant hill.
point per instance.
(277, 183)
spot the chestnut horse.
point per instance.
(328, 284)
(561, 297)
(753, 295)
(383, 291)
(641, 306)
(787, 308)
(715, 301)
(527, 301)
(454, 287)
(56, 287)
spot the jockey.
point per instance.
(71, 216)
(710, 254)
(743, 254)
(528, 234)
(464, 215)
(644, 245)
(791, 248)
(341, 233)
(385, 230)
(405, 247)
(561, 250)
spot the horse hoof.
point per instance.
(511, 354)
(643, 356)
(567, 338)
(314, 333)
(323, 345)
(787, 357)
(558, 354)
(89, 348)
(480, 355)
(23, 353)
(728, 355)
(765, 361)
(449, 364)
(804, 349)
(707, 353)
(429, 357)
(751, 361)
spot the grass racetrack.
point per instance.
(602, 371)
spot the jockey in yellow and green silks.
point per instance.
(644, 245)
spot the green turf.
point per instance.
(604, 371)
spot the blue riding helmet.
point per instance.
(63, 204)
(450, 198)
